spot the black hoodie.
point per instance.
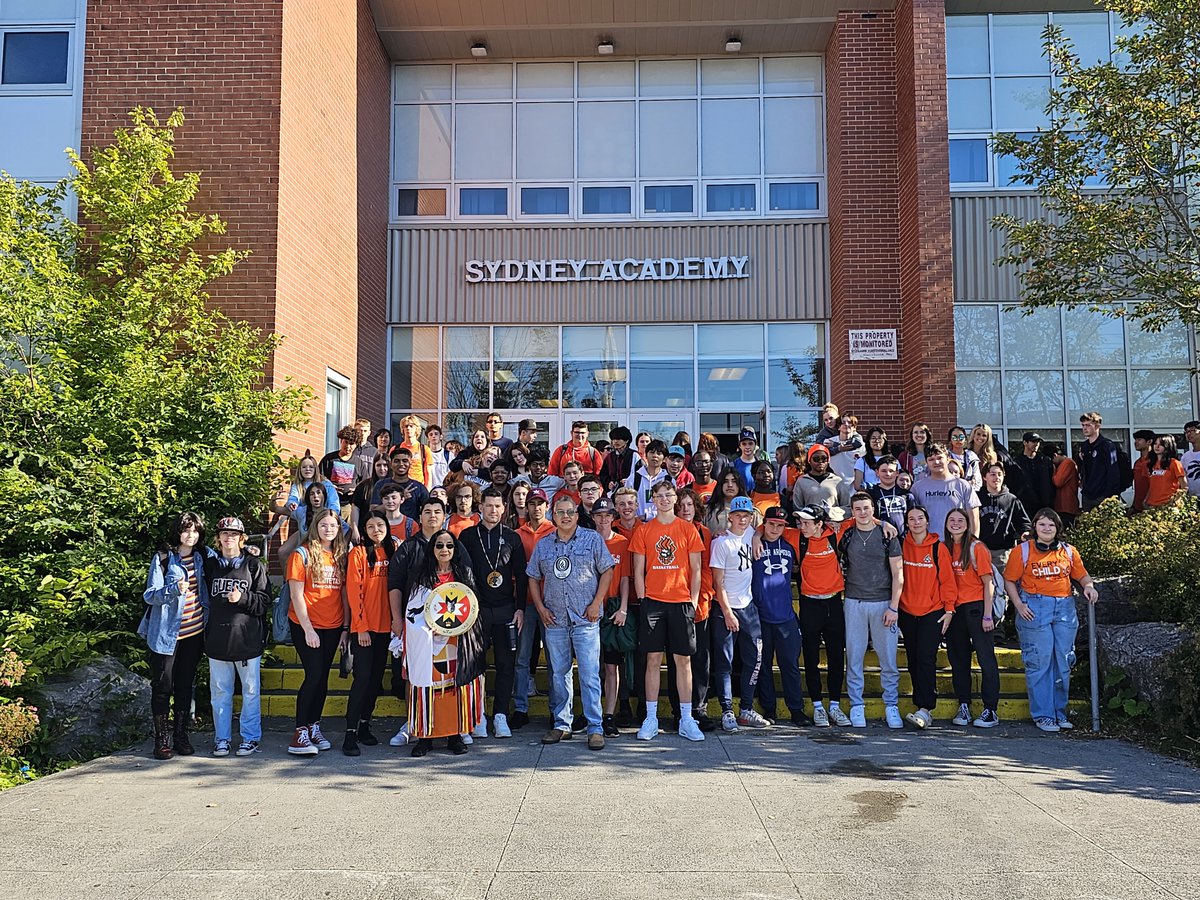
(1002, 519)
(235, 631)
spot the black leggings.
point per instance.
(922, 637)
(369, 663)
(310, 699)
(823, 618)
(964, 635)
(174, 675)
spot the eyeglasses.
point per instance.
(566, 512)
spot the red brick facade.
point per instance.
(889, 214)
(275, 93)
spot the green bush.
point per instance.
(1158, 548)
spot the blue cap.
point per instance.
(747, 434)
(741, 504)
(676, 450)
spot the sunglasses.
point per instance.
(443, 546)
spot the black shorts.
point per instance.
(667, 627)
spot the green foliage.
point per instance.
(1121, 694)
(125, 397)
(1135, 122)
(1156, 547)
(1179, 715)
(18, 721)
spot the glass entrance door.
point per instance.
(726, 426)
(664, 424)
(599, 424)
(547, 426)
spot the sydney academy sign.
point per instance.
(690, 268)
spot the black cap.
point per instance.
(1031, 436)
(527, 425)
(603, 505)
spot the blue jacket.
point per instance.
(160, 624)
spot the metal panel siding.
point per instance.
(977, 245)
(789, 264)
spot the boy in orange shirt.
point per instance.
(666, 572)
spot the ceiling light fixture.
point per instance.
(733, 44)
(479, 49)
(605, 47)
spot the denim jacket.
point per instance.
(164, 603)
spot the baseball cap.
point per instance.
(603, 505)
(741, 504)
(537, 494)
(776, 513)
(527, 425)
(231, 523)
(1031, 436)
(676, 450)
(817, 448)
(747, 434)
(811, 513)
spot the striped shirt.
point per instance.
(191, 622)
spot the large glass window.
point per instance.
(35, 57)
(730, 364)
(661, 364)
(594, 369)
(525, 373)
(414, 368)
(651, 128)
(796, 359)
(467, 367)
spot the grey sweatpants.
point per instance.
(864, 618)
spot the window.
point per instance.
(594, 368)
(525, 374)
(969, 161)
(337, 407)
(730, 364)
(650, 129)
(414, 375)
(660, 366)
(466, 364)
(421, 202)
(796, 362)
(35, 57)
(545, 201)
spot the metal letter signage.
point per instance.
(689, 268)
(877, 343)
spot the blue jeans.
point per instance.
(521, 676)
(1048, 651)
(220, 680)
(584, 641)
(781, 640)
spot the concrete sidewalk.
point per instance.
(815, 814)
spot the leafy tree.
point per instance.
(125, 398)
(1131, 126)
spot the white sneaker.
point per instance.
(988, 719)
(221, 748)
(892, 715)
(858, 716)
(963, 716)
(649, 730)
(729, 723)
(1064, 724)
(751, 718)
(480, 730)
(688, 728)
(466, 738)
(839, 717)
(820, 717)
(1045, 723)
(500, 726)
(401, 737)
(319, 740)
(920, 718)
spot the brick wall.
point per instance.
(889, 214)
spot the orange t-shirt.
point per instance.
(668, 564)
(403, 528)
(1164, 482)
(929, 585)
(705, 491)
(1048, 572)
(530, 537)
(367, 591)
(820, 570)
(707, 591)
(458, 524)
(763, 502)
(421, 468)
(970, 577)
(618, 546)
(323, 597)
(628, 532)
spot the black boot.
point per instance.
(183, 746)
(162, 737)
(350, 744)
(456, 745)
(421, 747)
(364, 734)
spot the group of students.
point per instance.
(623, 556)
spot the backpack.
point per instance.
(999, 594)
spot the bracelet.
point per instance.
(987, 618)
(894, 609)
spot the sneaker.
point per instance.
(247, 748)
(748, 718)
(519, 719)
(891, 715)
(963, 716)
(480, 730)
(1064, 724)
(595, 742)
(319, 740)
(729, 722)
(920, 718)
(365, 737)
(707, 723)
(988, 719)
(500, 726)
(801, 720)
(221, 747)
(649, 730)
(350, 744)
(820, 717)
(838, 717)
(466, 738)
(858, 716)
(624, 716)
(401, 737)
(1045, 723)
(579, 724)
(610, 727)
(689, 728)
(301, 745)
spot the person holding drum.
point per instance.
(443, 657)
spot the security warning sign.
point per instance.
(875, 343)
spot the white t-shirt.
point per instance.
(1191, 468)
(733, 554)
